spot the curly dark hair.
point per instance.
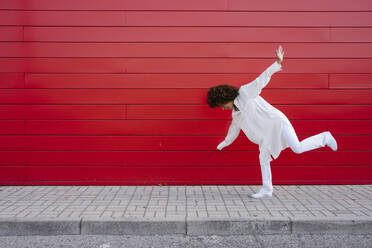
(221, 94)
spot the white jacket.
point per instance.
(259, 120)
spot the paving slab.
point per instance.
(184, 210)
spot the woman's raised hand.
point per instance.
(279, 54)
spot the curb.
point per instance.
(184, 226)
(133, 226)
(34, 226)
(332, 225)
(237, 226)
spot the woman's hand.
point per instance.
(279, 54)
(221, 145)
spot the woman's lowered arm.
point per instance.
(232, 134)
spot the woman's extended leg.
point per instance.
(310, 143)
(267, 186)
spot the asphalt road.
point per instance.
(182, 241)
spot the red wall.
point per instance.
(113, 92)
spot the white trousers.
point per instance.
(289, 134)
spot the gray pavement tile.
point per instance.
(338, 202)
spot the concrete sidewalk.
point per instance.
(187, 210)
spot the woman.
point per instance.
(262, 123)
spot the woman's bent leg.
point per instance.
(310, 143)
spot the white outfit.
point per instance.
(266, 126)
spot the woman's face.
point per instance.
(228, 105)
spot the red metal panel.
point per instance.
(244, 65)
(114, 5)
(153, 143)
(175, 96)
(149, 127)
(293, 112)
(63, 18)
(351, 34)
(12, 80)
(179, 158)
(186, 34)
(117, 175)
(12, 127)
(362, 127)
(330, 112)
(239, 5)
(154, 81)
(285, 5)
(64, 112)
(197, 34)
(182, 49)
(350, 81)
(180, 65)
(238, 18)
(308, 96)
(184, 18)
(114, 92)
(11, 33)
(58, 5)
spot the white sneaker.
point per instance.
(331, 142)
(262, 194)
